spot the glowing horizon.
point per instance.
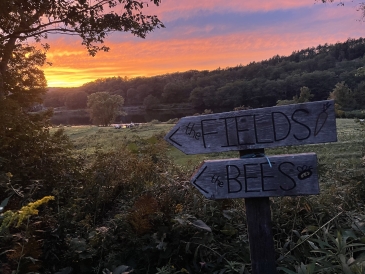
(204, 36)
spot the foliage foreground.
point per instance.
(131, 209)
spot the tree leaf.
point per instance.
(200, 224)
(227, 214)
(4, 203)
(348, 233)
(122, 269)
(345, 267)
(31, 259)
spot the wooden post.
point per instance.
(259, 225)
(250, 131)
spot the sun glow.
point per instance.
(201, 44)
(154, 58)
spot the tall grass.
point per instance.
(134, 208)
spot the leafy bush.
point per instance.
(172, 121)
(154, 121)
(132, 209)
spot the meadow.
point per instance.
(349, 148)
(134, 208)
(88, 139)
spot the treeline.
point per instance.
(259, 84)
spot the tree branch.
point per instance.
(7, 52)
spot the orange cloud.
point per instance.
(72, 66)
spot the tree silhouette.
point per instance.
(91, 20)
(104, 108)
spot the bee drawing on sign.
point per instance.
(304, 172)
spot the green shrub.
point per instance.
(172, 121)
(155, 122)
(131, 208)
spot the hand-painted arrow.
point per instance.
(282, 175)
(297, 124)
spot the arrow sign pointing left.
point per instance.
(298, 124)
(282, 175)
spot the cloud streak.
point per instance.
(204, 36)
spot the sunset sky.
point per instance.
(205, 35)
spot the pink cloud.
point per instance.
(326, 24)
(186, 8)
(147, 58)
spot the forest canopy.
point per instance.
(258, 84)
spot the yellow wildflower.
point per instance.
(9, 175)
(30, 209)
(178, 208)
(9, 217)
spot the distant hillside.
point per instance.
(258, 84)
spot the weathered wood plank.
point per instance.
(260, 236)
(289, 175)
(259, 226)
(297, 124)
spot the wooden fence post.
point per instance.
(256, 129)
(259, 225)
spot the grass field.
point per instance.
(349, 148)
(140, 200)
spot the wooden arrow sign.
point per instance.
(282, 175)
(297, 124)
